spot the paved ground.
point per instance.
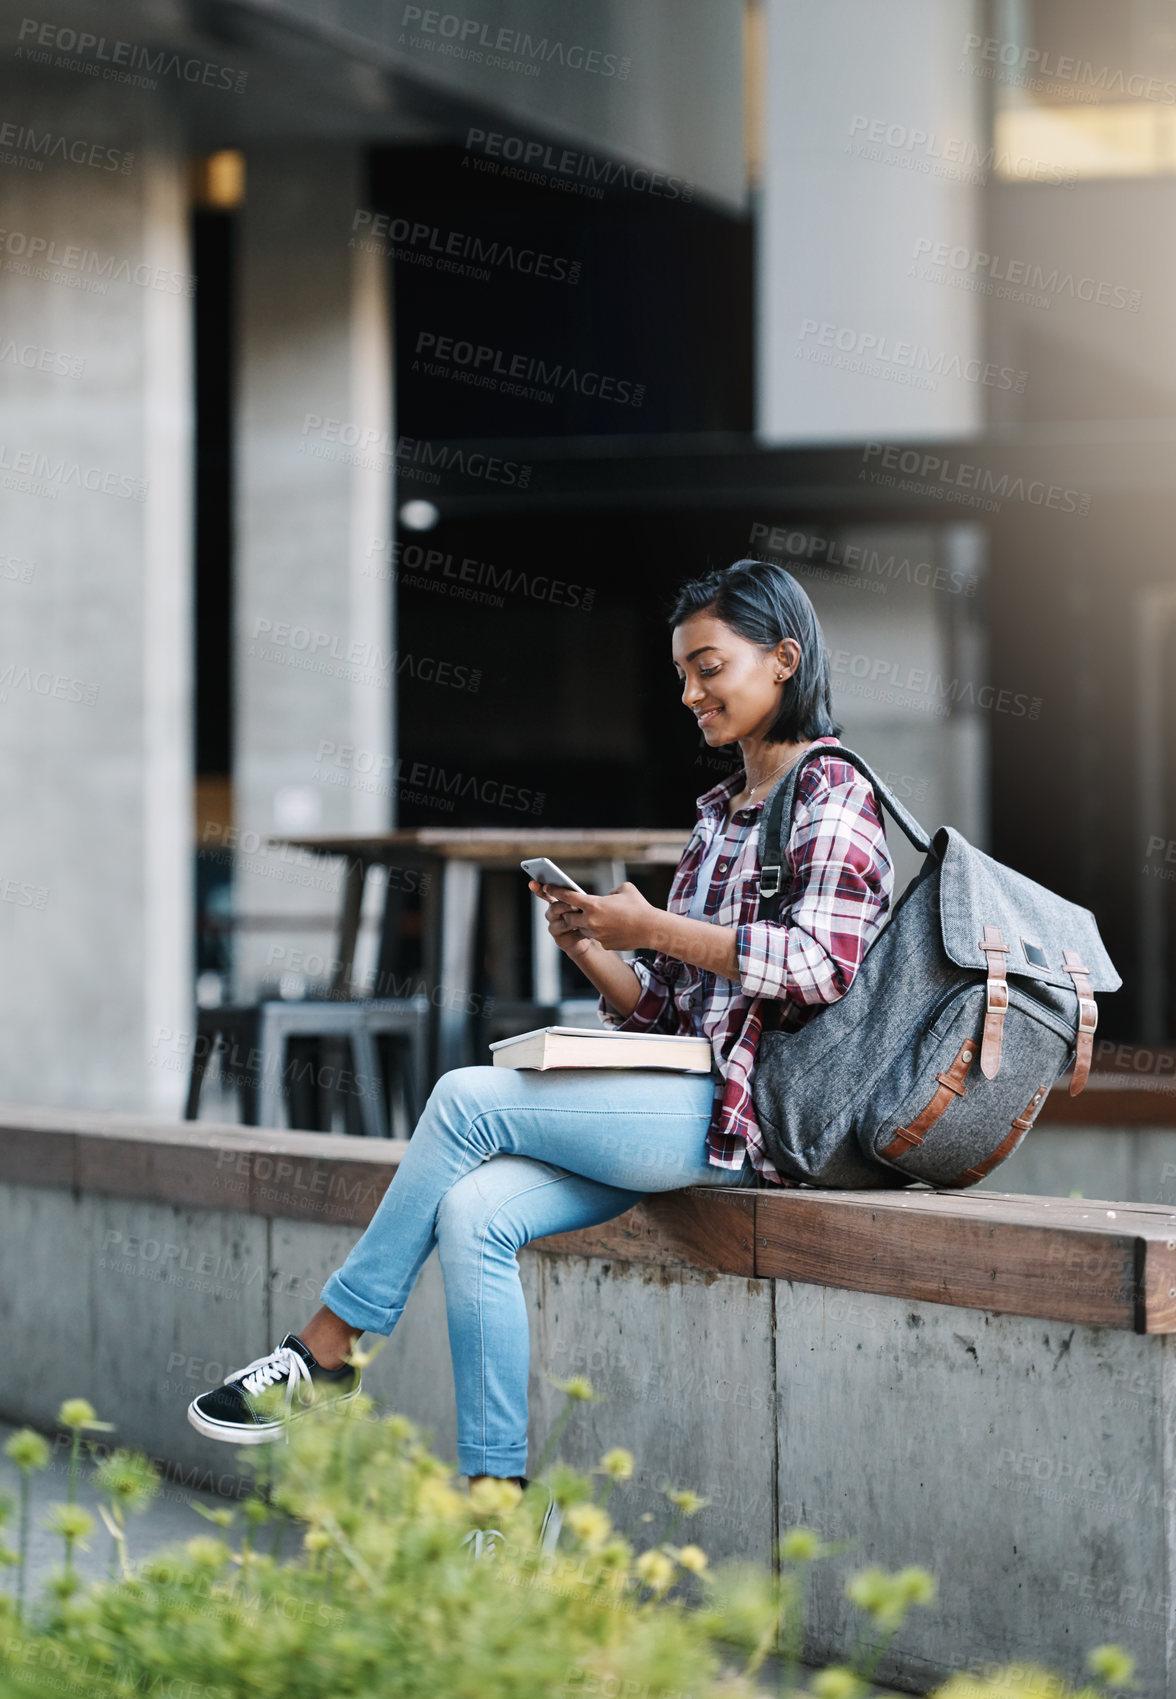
(170, 1519)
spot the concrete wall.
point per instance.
(1028, 1463)
(95, 591)
(1120, 1164)
(315, 643)
(869, 131)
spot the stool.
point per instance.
(264, 1030)
(404, 1020)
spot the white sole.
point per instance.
(241, 1433)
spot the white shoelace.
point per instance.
(268, 1370)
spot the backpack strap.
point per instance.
(781, 802)
(996, 1001)
(1087, 1018)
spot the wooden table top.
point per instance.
(487, 845)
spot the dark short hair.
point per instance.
(762, 602)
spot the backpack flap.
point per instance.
(1008, 926)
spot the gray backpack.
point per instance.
(975, 996)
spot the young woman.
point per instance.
(501, 1156)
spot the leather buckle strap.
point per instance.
(996, 1001)
(951, 1086)
(1087, 1018)
(1007, 1145)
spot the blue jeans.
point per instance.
(498, 1157)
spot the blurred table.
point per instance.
(455, 857)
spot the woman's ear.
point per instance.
(788, 656)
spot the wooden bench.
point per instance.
(976, 1381)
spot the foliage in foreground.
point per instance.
(345, 1574)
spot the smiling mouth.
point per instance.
(711, 713)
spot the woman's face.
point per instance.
(731, 686)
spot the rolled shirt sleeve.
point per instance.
(840, 865)
(655, 1010)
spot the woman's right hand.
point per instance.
(559, 908)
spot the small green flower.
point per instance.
(837, 1683)
(77, 1413)
(693, 1558)
(617, 1464)
(1111, 1664)
(800, 1545)
(28, 1450)
(589, 1523)
(207, 1553)
(872, 1590)
(70, 1521)
(655, 1569)
(917, 1586)
(578, 1386)
(130, 1479)
(689, 1503)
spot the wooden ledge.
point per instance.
(1113, 1099)
(1100, 1264)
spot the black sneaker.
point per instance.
(229, 1413)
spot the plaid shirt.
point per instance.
(842, 879)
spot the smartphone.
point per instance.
(547, 873)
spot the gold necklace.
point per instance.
(775, 770)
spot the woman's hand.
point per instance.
(578, 921)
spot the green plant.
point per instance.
(379, 1597)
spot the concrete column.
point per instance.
(873, 156)
(95, 595)
(314, 642)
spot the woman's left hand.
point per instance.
(620, 921)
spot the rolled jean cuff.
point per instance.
(501, 1460)
(356, 1312)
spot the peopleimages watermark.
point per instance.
(1154, 847)
(354, 660)
(291, 864)
(23, 895)
(1023, 281)
(312, 964)
(37, 474)
(529, 161)
(415, 458)
(502, 48)
(417, 565)
(15, 570)
(860, 564)
(963, 481)
(179, 1264)
(1021, 66)
(31, 148)
(85, 268)
(414, 242)
(34, 358)
(954, 157)
(884, 680)
(896, 358)
(368, 769)
(119, 61)
(44, 683)
(528, 376)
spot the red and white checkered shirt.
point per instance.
(842, 880)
